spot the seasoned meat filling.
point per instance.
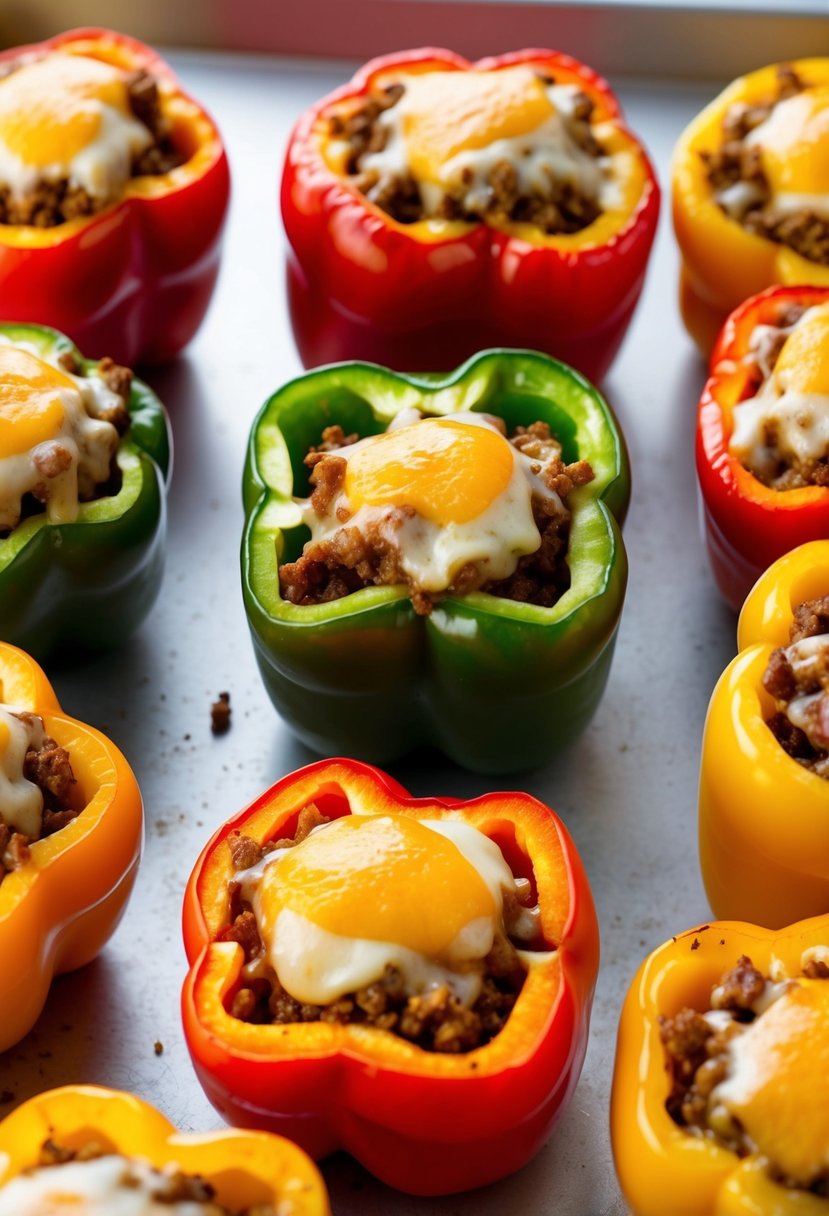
(61, 445)
(514, 556)
(741, 184)
(781, 431)
(39, 189)
(720, 1083)
(434, 1018)
(104, 1181)
(797, 677)
(553, 176)
(36, 782)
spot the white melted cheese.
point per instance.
(545, 155)
(105, 1186)
(780, 423)
(317, 966)
(21, 802)
(432, 554)
(809, 659)
(90, 441)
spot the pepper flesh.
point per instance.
(246, 1168)
(365, 674)
(423, 1122)
(661, 1166)
(60, 908)
(133, 281)
(90, 583)
(763, 818)
(722, 262)
(747, 524)
(430, 294)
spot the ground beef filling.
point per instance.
(797, 677)
(696, 1047)
(165, 1187)
(737, 164)
(54, 202)
(48, 768)
(434, 1020)
(561, 208)
(766, 344)
(355, 558)
(53, 458)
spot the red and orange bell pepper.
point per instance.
(245, 1168)
(722, 262)
(748, 524)
(135, 280)
(664, 1169)
(763, 818)
(421, 1121)
(427, 295)
(59, 909)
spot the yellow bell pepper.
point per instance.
(763, 818)
(722, 262)
(665, 1170)
(58, 910)
(245, 1168)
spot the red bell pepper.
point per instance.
(424, 1122)
(427, 295)
(133, 281)
(747, 524)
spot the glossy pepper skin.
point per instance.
(722, 262)
(426, 296)
(90, 583)
(60, 908)
(662, 1167)
(246, 1168)
(763, 818)
(748, 525)
(497, 685)
(135, 280)
(423, 1122)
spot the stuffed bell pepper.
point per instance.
(102, 1152)
(407, 979)
(719, 1094)
(750, 176)
(763, 435)
(70, 840)
(435, 207)
(764, 782)
(84, 451)
(113, 192)
(451, 572)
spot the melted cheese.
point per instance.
(21, 802)
(367, 891)
(776, 1086)
(788, 419)
(51, 443)
(104, 1186)
(68, 117)
(470, 491)
(450, 130)
(794, 151)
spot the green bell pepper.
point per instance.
(90, 583)
(497, 685)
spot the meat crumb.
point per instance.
(220, 714)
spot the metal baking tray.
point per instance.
(627, 789)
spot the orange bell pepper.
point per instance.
(763, 818)
(722, 262)
(245, 1168)
(424, 1122)
(663, 1169)
(59, 909)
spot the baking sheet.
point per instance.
(627, 789)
